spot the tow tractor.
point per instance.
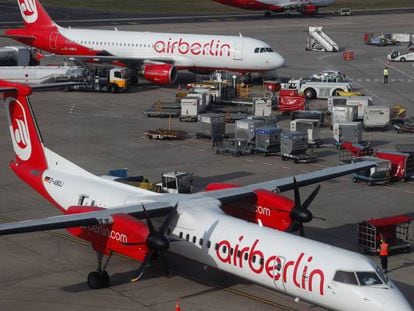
(401, 56)
(171, 182)
(328, 86)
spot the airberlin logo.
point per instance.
(29, 10)
(212, 47)
(19, 129)
(295, 271)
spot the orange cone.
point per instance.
(177, 306)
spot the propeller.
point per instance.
(300, 213)
(156, 242)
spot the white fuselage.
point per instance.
(286, 3)
(291, 264)
(183, 50)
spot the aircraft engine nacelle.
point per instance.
(272, 209)
(125, 234)
(309, 9)
(160, 73)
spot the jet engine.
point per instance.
(160, 73)
(309, 9)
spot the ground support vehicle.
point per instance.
(166, 134)
(406, 126)
(402, 161)
(211, 125)
(317, 40)
(104, 79)
(381, 40)
(401, 56)
(379, 174)
(394, 229)
(19, 56)
(343, 12)
(319, 89)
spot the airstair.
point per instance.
(317, 40)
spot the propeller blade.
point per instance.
(149, 222)
(297, 194)
(168, 220)
(320, 218)
(311, 197)
(143, 266)
(165, 264)
(292, 227)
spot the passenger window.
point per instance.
(208, 244)
(254, 259)
(180, 235)
(200, 242)
(345, 277)
(238, 254)
(246, 256)
(256, 50)
(194, 239)
(216, 246)
(368, 278)
(224, 249)
(231, 251)
(261, 261)
(187, 236)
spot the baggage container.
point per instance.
(348, 131)
(202, 100)
(361, 102)
(262, 107)
(293, 142)
(311, 127)
(402, 163)
(309, 114)
(342, 114)
(190, 108)
(211, 125)
(268, 139)
(376, 117)
(246, 129)
(380, 173)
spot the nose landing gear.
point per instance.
(99, 278)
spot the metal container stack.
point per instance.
(246, 129)
(212, 125)
(293, 142)
(268, 139)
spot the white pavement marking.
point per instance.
(72, 108)
(265, 163)
(249, 160)
(285, 167)
(201, 150)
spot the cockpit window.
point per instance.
(345, 277)
(256, 50)
(382, 275)
(262, 50)
(269, 50)
(368, 278)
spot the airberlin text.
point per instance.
(275, 267)
(212, 47)
(107, 233)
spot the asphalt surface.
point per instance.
(44, 271)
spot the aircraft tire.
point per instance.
(95, 280)
(105, 279)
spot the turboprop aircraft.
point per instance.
(156, 56)
(306, 7)
(120, 218)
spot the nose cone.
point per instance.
(396, 301)
(277, 60)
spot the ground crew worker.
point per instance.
(386, 73)
(383, 252)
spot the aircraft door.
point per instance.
(238, 50)
(278, 263)
(53, 40)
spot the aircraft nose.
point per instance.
(396, 301)
(277, 60)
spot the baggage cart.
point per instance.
(394, 229)
(349, 151)
(379, 174)
(294, 146)
(165, 134)
(235, 147)
(402, 164)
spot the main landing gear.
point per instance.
(99, 278)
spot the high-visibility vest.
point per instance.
(385, 72)
(384, 249)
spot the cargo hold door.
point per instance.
(238, 50)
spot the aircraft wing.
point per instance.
(286, 183)
(104, 216)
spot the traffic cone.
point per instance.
(177, 306)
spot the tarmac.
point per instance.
(99, 132)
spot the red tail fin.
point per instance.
(34, 15)
(25, 135)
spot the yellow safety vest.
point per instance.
(385, 72)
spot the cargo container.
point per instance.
(211, 125)
(268, 139)
(348, 131)
(376, 117)
(293, 142)
(246, 129)
(190, 108)
(342, 114)
(402, 163)
(262, 107)
(359, 101)
(311, 127)
(309, 115)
